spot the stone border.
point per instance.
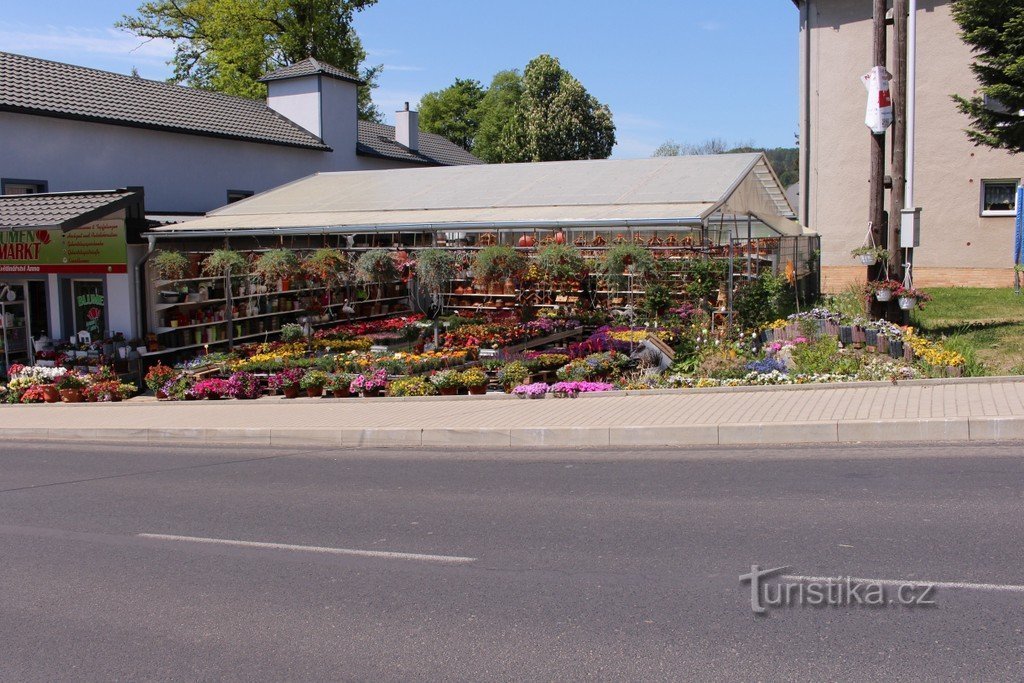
(948, 429)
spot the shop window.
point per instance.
(90, 306)
(999, 197)
(17, 186)
(238, 195)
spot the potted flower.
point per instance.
(287, 382)
(244, 385)
(327, 265)
(535, 390)
(626, 260)
(313, 382)
(157, 376)
(560, 263)
(212, 389)
(435, 268)
(412, 386)
(276, 266)
(71, 385)
(497, 263)
(909, 298)
(447, 382)
(513, 374)
(475, 379)
(338, 384)
(884, 289)
(870, 255)
(370, 383)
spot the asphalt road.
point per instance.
(608, 565)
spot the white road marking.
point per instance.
(918, 582)
(444, 559)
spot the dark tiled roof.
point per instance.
(60, 209)
(311, 67)
(38, 86)
(378, 140)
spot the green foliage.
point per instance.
(434, 269)
(274, 265)
(376, 265)
(292, 332)
(560, 262)
(956, 306)
(221, 261)
(759, 301)
(454, 112)
(170, 265)
(513, 374)
(967, 347)
(496, 110)
(621, 257)
(705, 277)
(472, 377)
(446, 379)
(498, 262)
(995, 32)
(412, 386)
(785, 160)
(556, 118)
(823, 356)
(227, 45)
(657, 298)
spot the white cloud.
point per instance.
(68, 41)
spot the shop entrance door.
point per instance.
(39, 309)
(88, 300)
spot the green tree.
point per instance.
(453, 112)
(227, 45)
(496, 110)
(995, 31)
(785, 160)
(556, 118)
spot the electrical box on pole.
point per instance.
(910, 228)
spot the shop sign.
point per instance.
(97, 247)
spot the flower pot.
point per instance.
(71, 395)
(896, 349)
(314, 392)
(907, 302)
(478, 390)
(868, 259)
(286, 284)
(51, 394)
(341, 393)
(290, 392)
(214, 396)
(884, 295)
(369, 393)
(448, 391)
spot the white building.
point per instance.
(67, 128)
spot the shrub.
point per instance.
(759, 301)
(412, 386)
(704, 278)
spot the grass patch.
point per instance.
(954, 307)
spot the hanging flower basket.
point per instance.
(907, 303)
(868, 259)
(884, 294)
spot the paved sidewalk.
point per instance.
(940, 410)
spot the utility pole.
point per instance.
(876, 205)
(897, 194)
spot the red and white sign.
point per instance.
(878, 115)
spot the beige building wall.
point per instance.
(958, 245)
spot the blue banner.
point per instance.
(1018, 248)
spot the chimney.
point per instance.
(407, 129)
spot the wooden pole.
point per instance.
(899, 147)
(876, 181)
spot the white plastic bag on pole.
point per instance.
(878, 116)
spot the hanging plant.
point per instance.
(499, 262)
(170, 265)
(274, 265)
(224, 261)
(435, 268)
(870, 255)
(560, 262)
(623, 258)
(377, 266)
(326, 265)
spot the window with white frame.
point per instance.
(999, 197)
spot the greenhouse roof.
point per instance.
(649, 193)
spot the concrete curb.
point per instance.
(770, 433)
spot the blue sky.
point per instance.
(684, 70)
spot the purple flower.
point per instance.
(535, 389)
